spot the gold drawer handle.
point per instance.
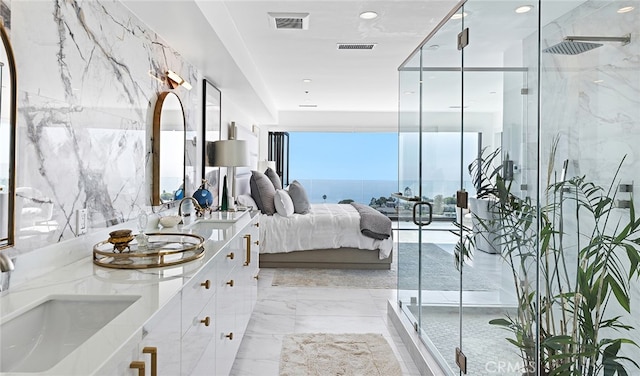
(154, 359)
(139, 365)
(247, 261)
(230, 336)
(257, 224)
(206, 284)
(231, 255)
(230, 283)
(206, 321)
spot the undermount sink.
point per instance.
(209, 229)
(39, 338)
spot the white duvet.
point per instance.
(327, 226)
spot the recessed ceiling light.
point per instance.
(598, 81)
(458, 16)
(368, 15)
(625, 9)
(306, 80)
(524, 8)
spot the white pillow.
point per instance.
(248, 201)
(283, 203)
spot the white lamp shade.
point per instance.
(263, 165)
(231, 153)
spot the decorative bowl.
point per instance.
(120, 239)
(170, 221)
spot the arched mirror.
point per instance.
(168, 149)
(8, 96)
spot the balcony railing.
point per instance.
(377, 194)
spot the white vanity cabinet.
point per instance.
(232, 274)
(198, 332)
(248, 275)
(156, 347)
(237, 287)
(160, 346)
(198, 320)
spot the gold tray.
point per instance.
(163, 249)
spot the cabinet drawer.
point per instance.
(196, 294)
(227, 335)
(198, 345)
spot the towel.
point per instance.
(373, 223)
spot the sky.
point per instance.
(343, 156)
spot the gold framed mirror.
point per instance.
(8, 111)
(168, 147)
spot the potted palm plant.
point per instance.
(572, 258)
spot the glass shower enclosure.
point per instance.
(517, 133)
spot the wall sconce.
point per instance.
(174, 80)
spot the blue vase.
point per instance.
(179, 194)
(204, 197)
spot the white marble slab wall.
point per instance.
(89, 73)
(591, 101)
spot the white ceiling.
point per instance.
(236, 47)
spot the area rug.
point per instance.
(321, 354)
(347, 278)
(438, 274)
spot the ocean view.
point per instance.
(362, 191)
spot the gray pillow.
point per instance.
(299, 198)
(275, 179)
(262, 191)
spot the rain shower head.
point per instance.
(577, 45)
(571, 48)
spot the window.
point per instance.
(342, 167)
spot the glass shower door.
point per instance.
(430, 144)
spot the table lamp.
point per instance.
(231, 154)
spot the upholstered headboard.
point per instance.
(243, 174)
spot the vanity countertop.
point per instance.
(155, 286)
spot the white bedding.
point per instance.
(327, 226)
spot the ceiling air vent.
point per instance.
(356, 46)
(289, 21)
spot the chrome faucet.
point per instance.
(6, 267)
(199, 209)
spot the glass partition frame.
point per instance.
(568, 117)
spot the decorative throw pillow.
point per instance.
(273, 176)
(299, 197)
(248, 201)
(283, 203)
(262, 191)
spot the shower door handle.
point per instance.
(415, 219)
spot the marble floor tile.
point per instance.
(260, 346)
(336, 308)
(341, 324)
(284, 310)
(256, 367)
(261, 323)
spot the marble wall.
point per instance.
(591, 103)
(88, 78)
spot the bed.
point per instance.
(328, 236)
